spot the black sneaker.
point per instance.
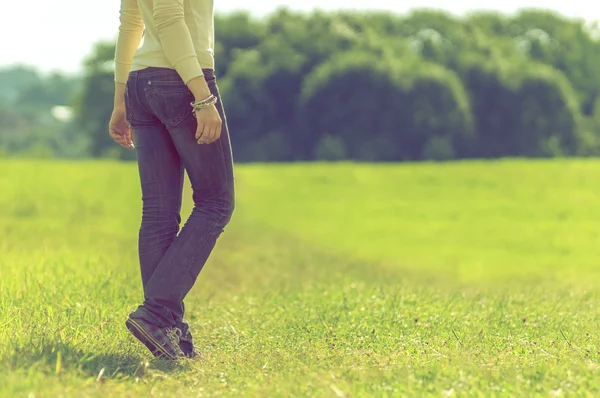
(186, 343)
(162, 342)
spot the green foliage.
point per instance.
(439, 148)
(436, 105)
(479, 115)
(14, 80)
(413, 103)
(37, 150)
(489, 23)
(27, 101)
(590, 139)
(436, 35)
(245, 117)
(336, 99)
(330, 148)
(549, 121)
(492, 106)
(260, 108)
(234, 32)
(389, 87)
(94, 105)
(46, 93)
(316, 36)
(565, 44)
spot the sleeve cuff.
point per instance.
(189, 68)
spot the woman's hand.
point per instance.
(209, 125)
(119, 129)
(209, 120)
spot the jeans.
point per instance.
(158, 109)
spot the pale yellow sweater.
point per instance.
(177, 34)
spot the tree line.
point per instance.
(375, 86)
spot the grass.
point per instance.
(454, 279)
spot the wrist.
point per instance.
(119, 101)
(208, 102)
(199, 88)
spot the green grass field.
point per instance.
(340, 280)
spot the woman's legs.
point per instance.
(161, 177)
(210, 169)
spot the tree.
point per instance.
(549, 120)
(522, 109)
(94, 103)
(27, 101)
(353, 98)
(488, 84)
(260, 104)
(378, 86)
(233, 32)
(15, 79)
(565, 44)
(436, 106)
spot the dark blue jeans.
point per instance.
(158, 108)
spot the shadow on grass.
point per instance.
(63, 357)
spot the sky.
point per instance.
(57, 35)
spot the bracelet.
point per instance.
(205, 103)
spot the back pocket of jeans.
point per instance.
(170, 101)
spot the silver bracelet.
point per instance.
(205, 103)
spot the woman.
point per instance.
(166, 92)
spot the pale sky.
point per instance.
(58, 34)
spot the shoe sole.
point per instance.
(138, 331)
(192, 355)
(187, 352)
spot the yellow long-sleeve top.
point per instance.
(177, 34)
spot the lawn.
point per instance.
(333, 280)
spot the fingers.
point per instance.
(210, 133)
(204, 135)
(218, 130)
(129, 138)
(208, 136)
(122, 138)
(209, 125)
(118, 138)
(200, 131)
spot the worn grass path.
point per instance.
(461, 279)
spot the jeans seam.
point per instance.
(197, 250)
(151, 94)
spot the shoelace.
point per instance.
(174, 334)
(187, 337)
